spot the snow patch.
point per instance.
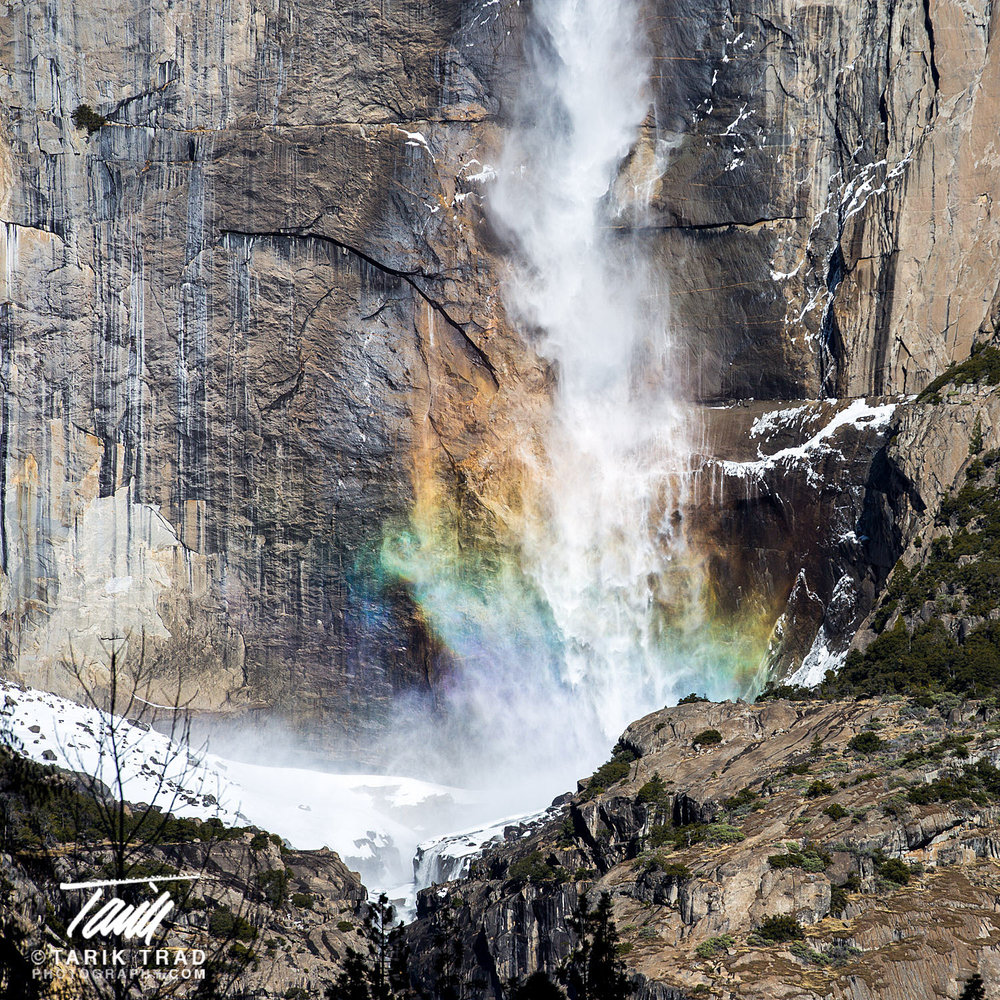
(818, 661)
(357, 815)
(768, 423)
(485, 173)
(416, 139)
(858, 413)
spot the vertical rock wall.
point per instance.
(242, 324)
(826, 214)
(255, 320)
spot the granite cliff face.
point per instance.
(828, 209)
(245, 322)
(252, 325)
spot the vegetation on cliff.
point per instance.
(787, 854)
(982, 368)
(944, 636)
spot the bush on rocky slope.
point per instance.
(982, 367)
(780, 928)
(615, 770)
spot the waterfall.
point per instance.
(597, 616)
(604, 544)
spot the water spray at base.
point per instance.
(598, 617)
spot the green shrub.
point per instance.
(783, 928)
(679, 837)
(836, 811)
(982, 366)
(975, 989)
(810, 859)
(722, 833)
(895, 806)
(671, 869)
(691, 699)
(615, 770)
(223, 923)
(534, 869)
(866, 743)
(242, 954)
(345, 926)
(979, 782)
(567, 832)
(744, 797)
(715, 946)
(976, 439)
(894, 870)
(819, 788)
(801, 950)
(773, 691)
(303, 900)
(707, 738)
(661, 835)
(653, 791)
(962, 573)
(85, 117)
(259, 841)
(274, 885)
(838, 900)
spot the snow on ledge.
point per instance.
(859, 412)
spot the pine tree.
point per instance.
(353, 982)
(975, 989)
(976, 441)
(378, 926)
(367, 977)
(593, 970)
(449, 957)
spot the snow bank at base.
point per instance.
(357, 815)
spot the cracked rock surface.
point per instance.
(255, 319)
(895, 899)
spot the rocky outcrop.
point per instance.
(247, 914)
(782, 510)
(938, 451)
(781, 817)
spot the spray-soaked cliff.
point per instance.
(263, 397)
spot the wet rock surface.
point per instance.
(242, 322)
